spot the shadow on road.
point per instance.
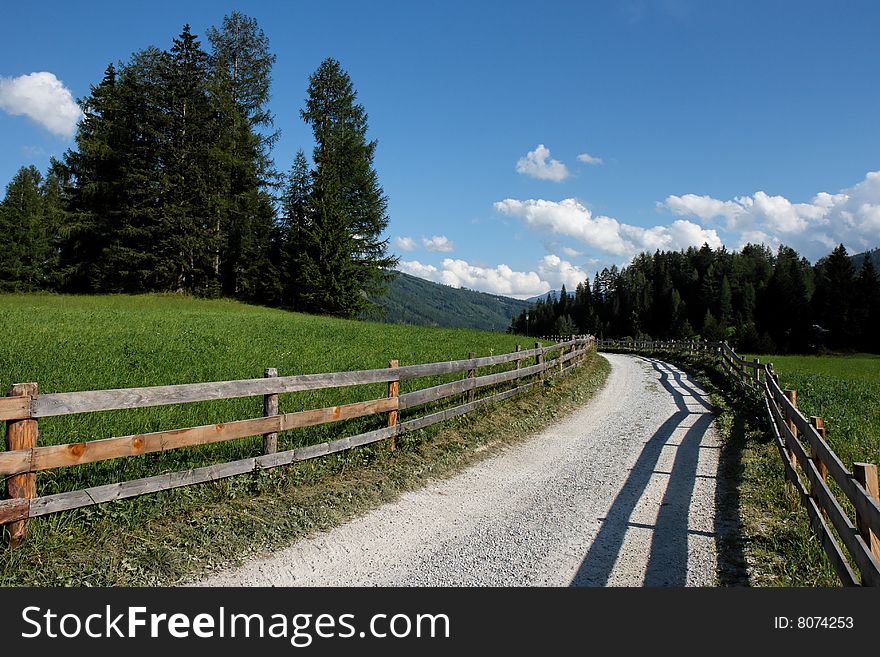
(668, 558)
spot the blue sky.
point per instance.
(694, 121)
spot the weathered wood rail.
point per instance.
(24, 406)
(808, 461)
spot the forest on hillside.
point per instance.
(757, 300)
(171, 186)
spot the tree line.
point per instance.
(755, 299)
(171, 186)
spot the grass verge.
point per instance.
(770, 542)
(174, 536)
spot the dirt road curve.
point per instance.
(620, 493)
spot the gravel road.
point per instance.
(620, 493)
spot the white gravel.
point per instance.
(620, 493)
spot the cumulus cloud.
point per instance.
(438, 244)
(416, 268)
(405, 243)
(570, 252)
(589, 159)
(561, 272)
(572, 219)
(536, 165)
(496, 280)
(44, 99)
(850, 217)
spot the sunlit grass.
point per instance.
(69, 343)
(845, 392)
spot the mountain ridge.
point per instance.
(413, 300)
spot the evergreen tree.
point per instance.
(325, 263)
(243, 225)
(55, 192)
(832, 299)
(296, 216)
(564, 326)
(25, 247)
(866, 308)
(95, 199)
(347, 200)
(711, 328)
(188, 241)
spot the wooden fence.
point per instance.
(808, 461)
(23, 407)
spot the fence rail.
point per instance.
(24, 406)
(808, 461)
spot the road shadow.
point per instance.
(668, 557)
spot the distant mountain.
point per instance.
(859, 258)
(412, 300)
(544, 296)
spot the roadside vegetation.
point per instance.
(777, 546)
(79, 343)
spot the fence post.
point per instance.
(817, 423)
(471, 374)
(21, 434)
(757, 372)
(866, 475)
(539, 360)
(518, 360)
(270, 407)
(791, 395)
(561, 352)
(393, 391)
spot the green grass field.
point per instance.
(845, 392)
(68, 343)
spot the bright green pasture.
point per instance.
(68, 343)
(845, 392)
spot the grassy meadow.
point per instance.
(69, 343)
(844, 390)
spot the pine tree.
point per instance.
(296, 216)
(347, 200)
(832, 299)
(24, 239)
(96, 196)
(56, 197)
(240, 69)
(325, 264)
(188, 242)
(866, 308)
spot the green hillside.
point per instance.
(412, 300)
(859, 258)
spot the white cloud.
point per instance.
(438, 244)
(405, 243)
(850, 217)
(496, 280)
(416, 268)
(573, 219)
(589, 159)
(704, 207)
(561, 272)
(535, 164)
(570, 252)
(44, 99)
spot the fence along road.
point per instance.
(24, 406)
(807, 461)
(622, 492)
